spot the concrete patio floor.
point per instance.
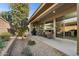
(66, 46)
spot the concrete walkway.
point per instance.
(65, 46)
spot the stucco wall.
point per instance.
(3, 30)
(78, 30)
(4, 26)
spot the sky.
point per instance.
(4, 7)
(32, 7)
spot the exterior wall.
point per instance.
(3, 30)
(78, 30)
(4, 26)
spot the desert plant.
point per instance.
(5, 36)
(30, 42)
(26, 51)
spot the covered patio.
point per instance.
(57, 21)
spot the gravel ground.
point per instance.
(42, 49)
(18, 48)
(39, 49)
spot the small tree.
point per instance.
(17, 17)
(21, 27)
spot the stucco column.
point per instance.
(54, 27)
(78, 29)
(64, 30)
(30, 28)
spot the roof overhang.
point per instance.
(58, 7)
(43, 7)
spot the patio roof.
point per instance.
(43, 7)
(48, 8)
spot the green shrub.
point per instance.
(21, 31)
(1, 43)
(30, 42)
(5, 35)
